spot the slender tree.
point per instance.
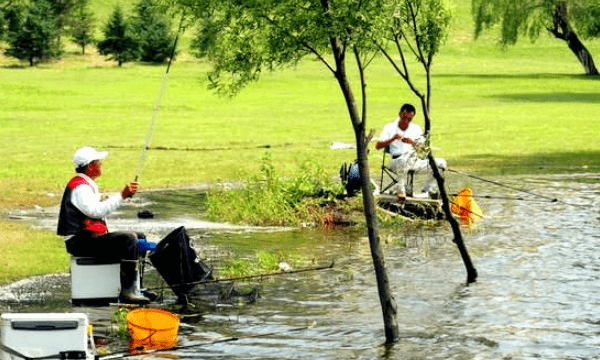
(81, 24)
(118, 41)
(418, 28)
(152, 29)
(36, 38)
(560, 17)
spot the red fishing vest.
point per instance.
(71, 221)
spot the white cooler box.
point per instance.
(37, 335)
(95, 280)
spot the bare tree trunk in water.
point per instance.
(388, 303)
(563, 30)
(458, 239)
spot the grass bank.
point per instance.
(523, 110)
(26, 252)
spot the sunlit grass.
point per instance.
(26, 253)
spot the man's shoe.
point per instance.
(130, 297)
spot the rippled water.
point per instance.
(536, 296)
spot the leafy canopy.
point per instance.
(531, 17)
(243, 38)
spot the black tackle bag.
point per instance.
(177, 262)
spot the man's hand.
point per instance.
(129, 190)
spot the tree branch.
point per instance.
(363, 87)
(303, 43)
(405, 66)
(420, 55)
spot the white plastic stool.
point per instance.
(95, 280)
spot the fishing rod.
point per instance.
(550, 199)
(157, 104)
(517, 198)
(248, 277)
(121, 355)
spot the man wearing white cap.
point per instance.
(82, 222)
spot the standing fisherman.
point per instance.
(82, 222)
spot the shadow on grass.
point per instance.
(565, 97)
(536, 76)
(541, 163)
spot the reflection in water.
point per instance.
(536, 295)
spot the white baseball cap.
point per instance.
(86, 155)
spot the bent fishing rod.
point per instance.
(157, 104)
(550, 199)
(254, 276)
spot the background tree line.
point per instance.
(33, 30)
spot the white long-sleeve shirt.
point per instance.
(89, 200)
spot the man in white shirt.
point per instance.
(401, 138)
(82, 222)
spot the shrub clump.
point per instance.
(268, 199)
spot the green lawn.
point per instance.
(523, 110)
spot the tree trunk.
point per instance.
(388, 303)
(458, 239)
(583, 55)
(563, 30)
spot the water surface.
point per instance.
(536, 296)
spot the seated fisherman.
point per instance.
(82, 222)
(402, 138)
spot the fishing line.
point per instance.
(515, 198)
(157, 104)
(248, 277)
(550, 199)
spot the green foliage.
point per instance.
(264, 262)
(242, 41)
(531, 17)
(118, 41)
(273, 200)
(3, 23)
(268, 261)
(81, 24)
(37, 37)
(119, 319)
(586, 16)
(152, 30)
(424, 22)
(515, 17)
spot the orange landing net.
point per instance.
(465, 206)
